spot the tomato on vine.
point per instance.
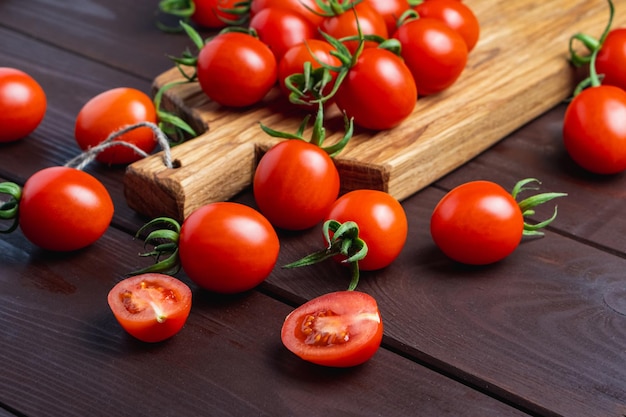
(338, 329)
(456, 15)
(223, 247)
(479, 222)
(390, 10)
(22, 104)
(58, 208)
(307, 8)
(111, 111)
(211, 14)
(150, 307)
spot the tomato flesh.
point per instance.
(151, 307)
(339, 329)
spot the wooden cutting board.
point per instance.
(518, 70)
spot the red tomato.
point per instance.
(303, 7)
(212, 13)
(379, 91)
(611, 60)
(382, 224)
(295, 183)
(22, 104)
(345, 24)
(456, 15)
(339, 329)
(151, 307)
(236, 69)
(110, 111)
(594, 129)
(280, 29)
(227, 247)
(435, 54)
(294, 59)
(64, 209)
(390, 10)
(477, 223)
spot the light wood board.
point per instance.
(518, 70)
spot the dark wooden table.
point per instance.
(542, 333)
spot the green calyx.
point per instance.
(164, 245)
(172, 125)
(345, 241)
(318, 134)
(10, 209)
(330, 8)
(528, 205)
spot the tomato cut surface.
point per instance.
(151, 307)
(339, 329)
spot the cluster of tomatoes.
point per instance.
(594, 127)
(379, 55)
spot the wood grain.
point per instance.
(518, 71)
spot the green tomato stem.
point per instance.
(527, 205)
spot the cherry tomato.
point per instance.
(477, 223)
(151, 307)
(227, 247)
(379, 91)
(64, 209)
(213, 14)
(22, 104)
(295, 183)
(390, 10)
(611, 60)
(236, 69)
(382, 224)
(594, 129)
(435, 54)
(345, 24)
(294, 59)
(338, 329)
(306, 8)
(110, 111)
(456, 15)
(281, 29)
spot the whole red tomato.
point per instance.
(295, 183)
(435, 54)
(454, 14)
(22, 104)
(611, 59)
(307, 8)
(64, 209)
(390, 10)
(110, 111)
(151, 307)
(379, 91)
(339, 329)
(312, 50)
(280, 29)
(594, 129)
(214, 14)
(227, 247)
(348, 22)
(236, 69)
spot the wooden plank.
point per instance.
(517, 71)
(63, 353)
(545, 328)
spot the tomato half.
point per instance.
(151, 307)
(477, 223)
(456, 15)
(382, 224)
(611, 60)
(295, 183)
(435, 54)
(594, 129)
(110, 111)
(379, 91)
(64, 209)
(22, 104)
(227, 247)
(339, 329)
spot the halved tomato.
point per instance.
(151, 307)
(339, 329)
